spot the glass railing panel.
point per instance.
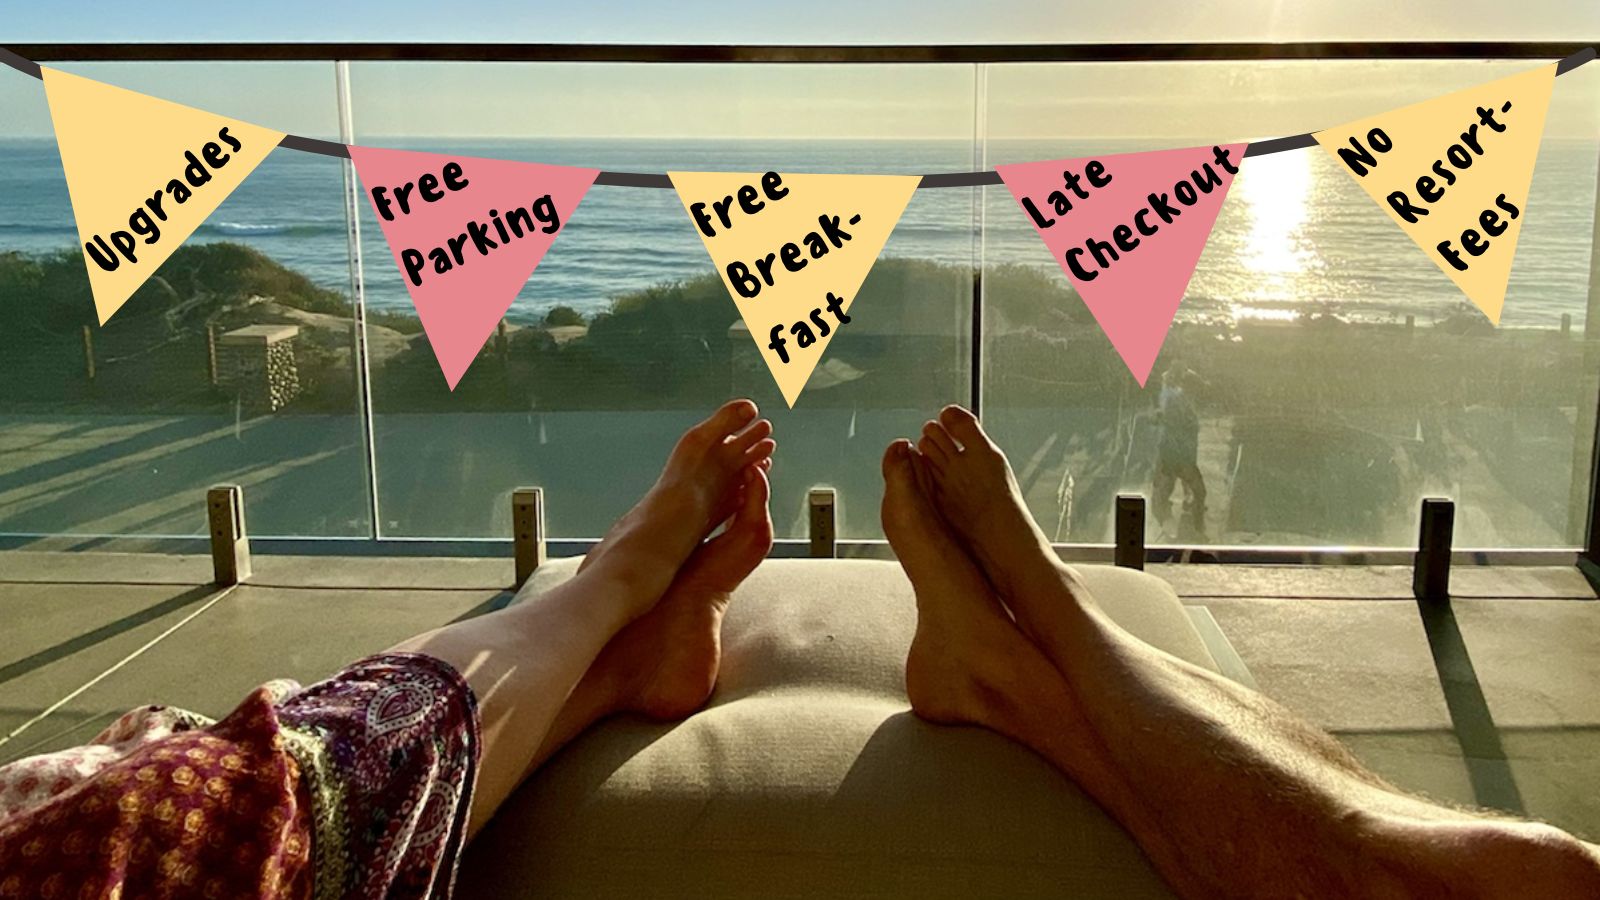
(625, 335)
(1336, 375)
(119, 429)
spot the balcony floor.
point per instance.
(1516, 723)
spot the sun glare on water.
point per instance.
(1276, 188)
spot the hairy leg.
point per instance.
(523, 661)
(1252, 800)
(958, 617)
(969, 664)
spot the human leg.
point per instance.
(969, 664)
(1161, 491)
(664, 665)
(1230, 793)
(523, 662)
(1195, 507)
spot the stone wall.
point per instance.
(257, 363)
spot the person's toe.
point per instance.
(935, 433)
(904, 502)
(897, 464)
(963, 426)
(738, 443)
(727, 559)
(923, 473)
(760, 451)
(729, 418)
(753, 511)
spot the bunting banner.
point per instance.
(1128, 230)
(142, 173)
(793, 250)
(1453, 172)
(467, 234)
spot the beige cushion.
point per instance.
(807, 774)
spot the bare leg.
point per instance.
(523, 662)
(969, 663)
(664, 665)
(1228, 792)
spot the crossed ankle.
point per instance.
(630, 588)
(1045, 574)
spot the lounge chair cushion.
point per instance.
(807, 774)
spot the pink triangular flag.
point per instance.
(466, 233)
(1128, 230)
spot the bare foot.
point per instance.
(645, 548)
(725, 509)
(968, 662)
(975, 490)
(664, 665)
(670, 656)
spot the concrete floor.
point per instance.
(1513, 720)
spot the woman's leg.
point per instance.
(1229, 793)
(523, 662)
(664, 665)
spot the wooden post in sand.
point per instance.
(88, 352)
(211, 353)
(527, 532)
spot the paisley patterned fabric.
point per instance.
(358, 786)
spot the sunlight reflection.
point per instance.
(1276, 187)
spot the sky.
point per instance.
(817, 21)
(1222, 101)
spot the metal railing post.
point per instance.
(821, 506)
(1589, 559)
(1129, 553)
(230, 544)
(527, 532)
(1430, 574)
(358, 296)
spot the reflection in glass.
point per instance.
(1276, 192)
(626, 335)
(233, 363)
(1322, 376)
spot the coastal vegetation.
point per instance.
(675, 343)
(1317, 428)
(681, 344)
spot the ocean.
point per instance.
(1295, 231)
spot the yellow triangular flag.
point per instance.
(1453, 173)
(793, 250)
(143, 173)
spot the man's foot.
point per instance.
(664, 664)
(975, 490)
(645, 548)
(968, 662)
